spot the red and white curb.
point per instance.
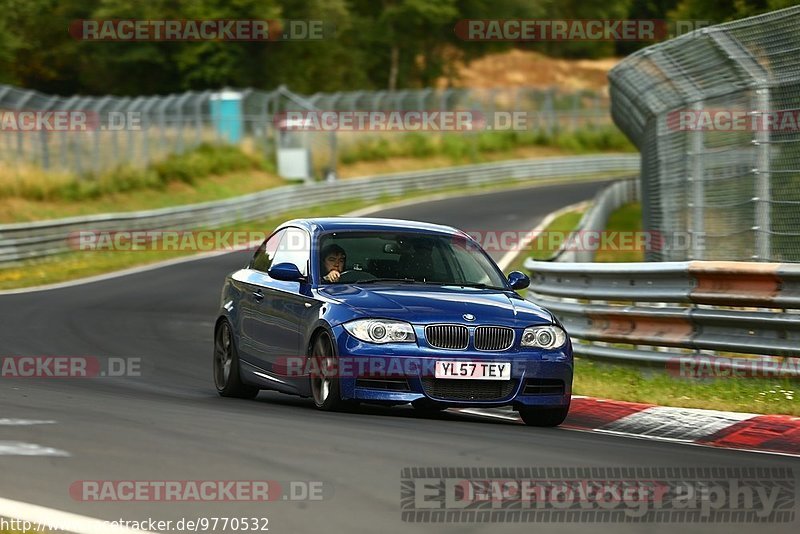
(777, 434)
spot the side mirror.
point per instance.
(288, 272)
(518, 280)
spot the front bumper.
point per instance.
(403, 372)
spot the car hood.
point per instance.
(435, 304)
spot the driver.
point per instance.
(333, 262)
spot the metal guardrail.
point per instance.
(32, 240)
(659, 312)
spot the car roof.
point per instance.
(333, 224)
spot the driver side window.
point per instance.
(294, 248)
(265, 254)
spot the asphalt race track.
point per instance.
(169, 423)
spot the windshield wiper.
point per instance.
(402, 281)
(477, 285)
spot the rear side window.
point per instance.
(265, 254)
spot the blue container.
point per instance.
(226, 113)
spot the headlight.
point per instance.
(381, 331)
(544, 337)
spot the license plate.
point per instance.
(473, 370)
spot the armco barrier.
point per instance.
(656, 312)
(38, 239)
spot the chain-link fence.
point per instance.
(715, 116)
(138, 131)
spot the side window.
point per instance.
(262, 261)
(294, 248)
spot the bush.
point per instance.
(205, 160)
(418, 145)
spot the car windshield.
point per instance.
(380, 257)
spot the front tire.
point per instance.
(543, 417)
(226, 366)
(325, 388)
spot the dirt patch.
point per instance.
(524, 68)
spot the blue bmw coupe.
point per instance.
(351, 310)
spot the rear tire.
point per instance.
(226, 366)
(544, 417)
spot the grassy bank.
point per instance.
(472, 148)
(203, 174)
(217, 172)
(621, 382)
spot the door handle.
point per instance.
(258, 295)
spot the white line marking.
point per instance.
(24, 422)
(478, 411)
(20, 448)
(511, 255)
(124, 272)
(58, 520)
(677, 442)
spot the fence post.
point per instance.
(695, 178)
(763, 195)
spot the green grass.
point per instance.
(626, 219)
(546, 245)
(469, 147)
(79, 264)
(655, 386)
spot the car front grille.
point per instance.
(543, 386)
(467, 390)
(447, 336)
(493, 338)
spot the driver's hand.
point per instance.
(332, 276)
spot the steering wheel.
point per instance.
(353, 275)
